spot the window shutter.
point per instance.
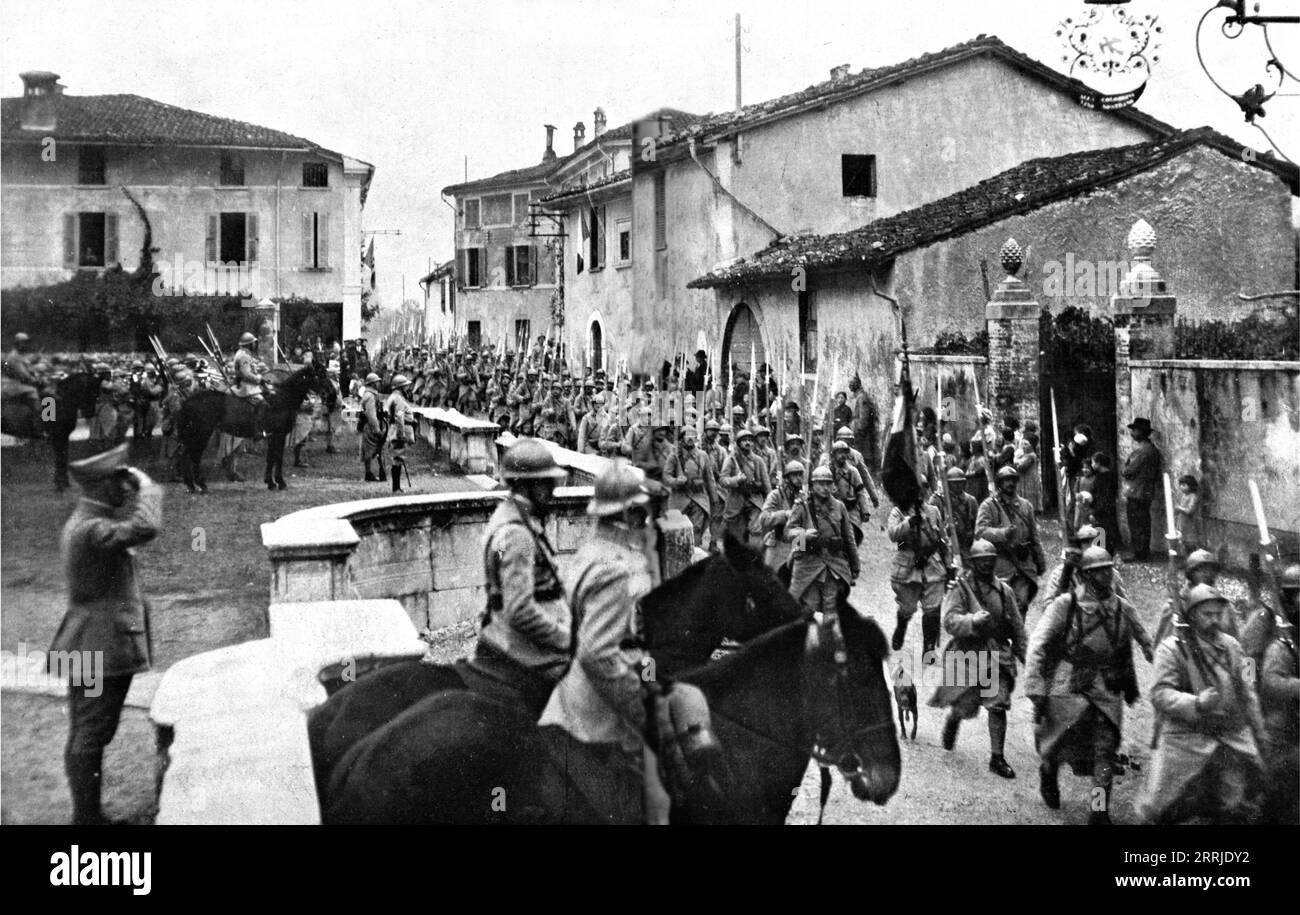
(210, 244)
(600, 237)
(308, 246)
(70, 239)
(510, 266)
(323, 239)
(484, 278)
(250, 236)
(110, 239)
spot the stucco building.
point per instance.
(232, 207)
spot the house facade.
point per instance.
(230, 207)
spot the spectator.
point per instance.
(865, 421)
(843, 413)
(1031, 477)
(1188, 510)
(1077, 452)
(1141, 472)
(1105, 495)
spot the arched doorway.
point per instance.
(742, 341)
(596, 345)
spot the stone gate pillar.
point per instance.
(1012, 320)
(1144, 314)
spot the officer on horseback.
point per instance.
(21, 381)
(526, 640)
(248, 370)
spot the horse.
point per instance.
(61, 404)
(204, 412)
(805, 689)
(731, 595)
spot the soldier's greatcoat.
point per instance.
(994, 646)
(1000, 524)
(834, 550)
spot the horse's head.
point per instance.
(846, 697)
(730, 595)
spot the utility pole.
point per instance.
(738, 61)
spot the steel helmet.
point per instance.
(531, 373)
(1203, 594)
(839, 445)
(822, 475)
(1095, 557)
(1291, 578)
(793, 467)
(246, 338)
(1086, 534)
(182, 374)
(688, 433)
(1007, 473)
(761, 430)
(137, 364)
(794, 437)
(21, 337)
(956, 474)
(400, 381)
(372, 378)
(1201, 558)
(598, 399)
(737, 410)
(744, 433)
(712, 426)
(844, 432)
(618, 488)
(982, 548)
(529, 459)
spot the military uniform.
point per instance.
(373, 431)
(825, 566)
(690, 475)
(747, 482)
(1279, 697)
(919, 573)
(850, 489)
(520, 400)
(997, 644)
(777, 509)
(247, 372)
(590, 429)
(1013, 530)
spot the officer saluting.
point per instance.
(120, 508)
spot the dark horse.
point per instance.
(730, 595)
(207, 411)
(61, 405)
(802, 690)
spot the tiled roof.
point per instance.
(867, 80)
(135, 119)
(533, 174)
(581, 190)
(1018, 190)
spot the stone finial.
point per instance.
(1142, 278)
(1012, 257)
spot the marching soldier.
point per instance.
(1079, 675)
(746, 481)
(964, 511)
(718, 457)
(824, 559)
(1202, 568)
(690, 475)
(526, 639)
(1279, 696)
(660, 454)
(777, 507)
(1007, 521)
(550, 430)
(849, 488)
(373, 427)
(983, 618)
(1208, 761)
(637, 440)
(402, 425)
(791, 450)
(763, 450)
(592, 424)
(120, 509)
(919, 574)
(1064, 577)
(520, 398)
(856, 458)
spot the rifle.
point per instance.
(1062, 485)
(1268, 557)
(1173, 579)
(949, 519)
(828, 436)
(984, 440)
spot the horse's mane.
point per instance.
(713, 671)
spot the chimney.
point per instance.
(597, 122)
(549, 155)
(579, 135)
(840, 72)
(41, 91)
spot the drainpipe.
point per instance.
(279, 175)
(718, 184)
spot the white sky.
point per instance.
(415, 86)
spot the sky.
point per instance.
(420, 88)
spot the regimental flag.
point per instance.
(899, 473)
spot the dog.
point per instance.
(905, 697)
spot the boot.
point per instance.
(85, 779)
(297, 456)
(383, 474)
(929, 632)
(397, 478)
(998, 765)
(950, 726)
(1048, 787)
(370, 474)
(900, 633)
(1100, 817)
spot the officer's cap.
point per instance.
(99, 467)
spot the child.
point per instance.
(1188, 510)
(1105, 500)
(1031, 478)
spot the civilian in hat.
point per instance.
(1141, 475)
(107, 618)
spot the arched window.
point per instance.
(741, 339)
(596, 345)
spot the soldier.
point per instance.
(525, 641)
(592, 425)
(792, 450)
(120, 508)
(103, 426)
(1202, 568)
(919, 573)
(247, 370)
(20, 379)
(373, 427)
(690, 475)
(1279, 697)
(717, 456)
(1064, 577)
(776, 514)
(964, 510)
(520, 398)
(763, 449)
(983, 618)
(824, 559)
(865, 421)
(599, 703)
(1079, 674)
(1141, 477)
(637, 440)
(849, 488)
(746, 481)
(856, 458)
(1007, 521)
(401, 422)
(1207, 762)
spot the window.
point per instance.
(89, 239)
(471, 212)
(858, 174)
(232, 238)
(90, 167)
(523, 333)
(519, 265)
(316, 241)
(315, 174)
(661, 212)
(808, 331)
(596, 250)
(625, 241)
(473, 259)
(521, 209)
(474, 330)
(232, 170)
(497, 210)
